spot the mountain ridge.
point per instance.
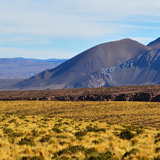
(105, 55)
(131, 72)
(155, 44)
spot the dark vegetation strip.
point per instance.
(128, 93)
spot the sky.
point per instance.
(46, 29)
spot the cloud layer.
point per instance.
(41, 21)
(73, 18)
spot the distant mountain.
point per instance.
(41, 60)
(5, 83)
(79, 68)
(21, 68)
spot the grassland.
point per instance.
(45, 130)
(135, 113)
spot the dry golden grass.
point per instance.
(138, 113)
(33, 130)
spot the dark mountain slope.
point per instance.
(105, 55)
(142, 69)
(155, 44)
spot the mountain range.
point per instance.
(22, 68)
(14, 70)
(117, 63)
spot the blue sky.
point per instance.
(64, 28)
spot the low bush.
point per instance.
(126, 134)
(26, 141)
(56, 130)
(71, 150)
(46, 138)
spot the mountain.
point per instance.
(142, 69)
(42, 60)
(155, 44)
(71, 72)
(21, 68)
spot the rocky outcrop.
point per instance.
(140, 96)
(150, 93)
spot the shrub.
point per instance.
(11, 133)
(35, 133)
(157, 150)
(61, 136)
(46, 138)
(95, 142)
(22, 117)
(7, 131)
(66, 123)
(37, 158)
(131, 152)
(80, 134)
(11, 121)
(157, 140)
(26, 141)
(126, 134)
(32, 158)
(157, 137)
(71, 150)
(101, 156)
(137, 129)
(95, 129)
(157, 158)
(90, 151)
(56, 130)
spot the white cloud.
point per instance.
(71, 17)
(42, 21)
(21, 40)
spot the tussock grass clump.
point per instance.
(157, 138)
(56, 130)
(90, 154)
(22, 117)
(11, 133)
(70, 150)
(126, 134)
(32, 158)
(80, 134)
(35, 133)
(129, 154)
(26, 141)
(46, 138)
(95, 129)
(102, 156)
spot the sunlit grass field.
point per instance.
(45, 130)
